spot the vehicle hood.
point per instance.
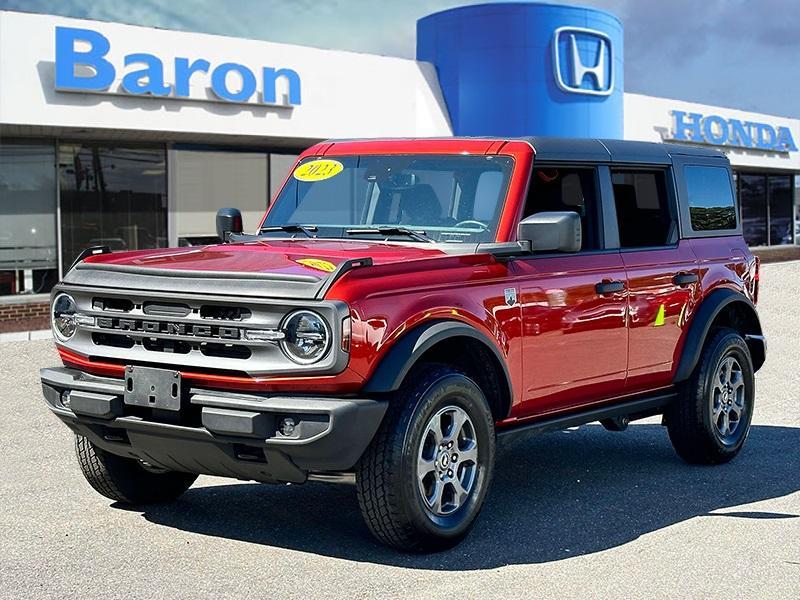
(264, 268)
(312, 258)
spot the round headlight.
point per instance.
(307, 337)
(64, 309)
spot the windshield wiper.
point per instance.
(392, 230)
(292, 228)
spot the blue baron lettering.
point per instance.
(82, 66)
(716, 130)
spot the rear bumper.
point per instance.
(218, 433)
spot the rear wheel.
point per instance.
(423, 479)
(711, 419)
(127, 480)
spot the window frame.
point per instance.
(610, 207)
(601, 216)
(684, 216)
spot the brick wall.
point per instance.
(778, 253)
(24, 316)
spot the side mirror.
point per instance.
(229, 220)
(552, 231)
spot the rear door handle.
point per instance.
(682, 279)
(609, 287)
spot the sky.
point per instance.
(734, 53)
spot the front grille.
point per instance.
(166, 309)
(171, 346)
(199, 332)
(112, 304)
(226, 351)
(114, 341)
(171, 327)
(225, 313)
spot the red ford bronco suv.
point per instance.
(402, 305)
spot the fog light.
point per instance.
(65, 399)
(287, 426)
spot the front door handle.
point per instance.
(682, 279)
(609, 287)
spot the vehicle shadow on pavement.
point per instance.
(554, 496)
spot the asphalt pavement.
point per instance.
(580, 513)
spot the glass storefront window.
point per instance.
(28, 254)
(206, 181)
(781, 217)
(279, 167)
(796, 208)
(753, 200)
(768, 208)
(112, 196)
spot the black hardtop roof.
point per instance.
(621, 151)
(581, 149)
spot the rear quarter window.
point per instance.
(710, 198)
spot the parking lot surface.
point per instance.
(580, 513)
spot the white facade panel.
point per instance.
(652, 119)
(343, 94)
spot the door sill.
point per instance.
(640, 408)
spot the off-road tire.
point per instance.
(125, 480)
(690, 419)
(386, 475)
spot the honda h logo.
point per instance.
(583, 61)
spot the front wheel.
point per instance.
(424, 477)
(127, 480)
(710, 421)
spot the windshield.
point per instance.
(453, 198)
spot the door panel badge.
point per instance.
(511, 296)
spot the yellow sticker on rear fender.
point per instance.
(317, 170)
(316, 263)
(659, 322)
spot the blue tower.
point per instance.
(515, 69)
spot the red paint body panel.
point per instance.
(653, 356)
(726, 262)
(387, 301)
(575, 343)
(564, 344)
(267, 256)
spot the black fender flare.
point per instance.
(395, 365)
(708, 311)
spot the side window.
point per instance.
(643, 214)
(710, 198)
(567, 188)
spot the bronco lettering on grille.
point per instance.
(167, 328)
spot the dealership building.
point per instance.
(132, 137)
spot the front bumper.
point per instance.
(217, 433)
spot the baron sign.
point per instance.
(719, 131)
(88, 69)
